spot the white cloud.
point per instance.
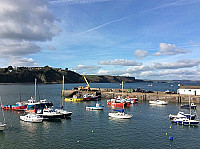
(169, 49)
(141, 53)
(84, 67)
(27, 62)
(138, 69)
(110, 72)
(121, 62)
(11, 48)
(24, 22)
(27, 20)
(176, 65)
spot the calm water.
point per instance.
(94, 129)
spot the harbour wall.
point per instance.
(107, 93)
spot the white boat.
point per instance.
(2, 126)
(185, 121)
(64, 113)
(158, 102)
(31, 118)
(97, 107)
(120, 114)
(49, 113)
(181, 115)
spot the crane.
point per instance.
(87, 87)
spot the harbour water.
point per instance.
(94, 129)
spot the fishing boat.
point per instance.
(120, 114)
(75, 98)
(181, 115)
(34, 106)
(158, 102)
(97, 107)
(33, 118)
(48, 113)
(115, 102)
(17, 106)
(187, 106)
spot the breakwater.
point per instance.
(107, 93)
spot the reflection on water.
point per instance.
(30, 127)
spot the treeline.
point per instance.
(55, 75)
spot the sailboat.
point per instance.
(2, 125)
(185, 120)
(120, 114)
(61, 110)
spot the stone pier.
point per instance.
(107, 93)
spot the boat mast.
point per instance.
(190, 109)
(63, 87)
(4, 120)
(122, 88)
(35, 88)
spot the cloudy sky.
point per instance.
(147, 39)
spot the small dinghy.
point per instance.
(31, 118)
(97, 107)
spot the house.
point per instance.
(189, 90)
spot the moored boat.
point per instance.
(75, 98)
(97, 107)
(2, 126)
(158, 102)
(120, 114)
(182, 115)
(33, 118)
(187, 106)
(49, 113)
(185, 121)
(64, 113)
(17, 106)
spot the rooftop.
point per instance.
(189, 87)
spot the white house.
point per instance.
(189, 90)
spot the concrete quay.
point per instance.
(107, 93)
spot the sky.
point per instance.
(146, 39)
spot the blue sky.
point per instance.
(145, 39)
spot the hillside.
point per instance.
(111, 79)
(55, 75)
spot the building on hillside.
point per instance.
(189, 90)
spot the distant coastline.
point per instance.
(49, 75)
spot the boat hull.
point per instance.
(38, 120)
(120, 115)
(13, 107)
(94, 108)
(158, 102)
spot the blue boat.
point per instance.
(187, 106)
(97, 107)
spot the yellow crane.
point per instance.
(87, 87)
